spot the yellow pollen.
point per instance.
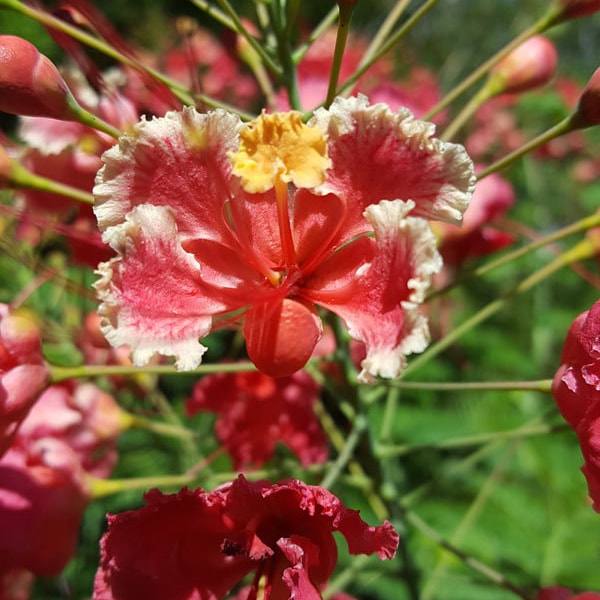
(280, 146)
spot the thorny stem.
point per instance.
(584, 249)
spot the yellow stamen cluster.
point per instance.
(280, 147)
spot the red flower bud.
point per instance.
(530, 65)
(571, 9)
(29, 83)
(587, 112)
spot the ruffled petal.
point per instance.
(379, 300)
(377, 154)
(179, 161)
(152, 295)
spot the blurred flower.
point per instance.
(492, 197)
(275, 217)
(16, 584)
(576, 389)
(197, 544)
(87, 419)
(43, 495)
(257, 411)
(23, 372)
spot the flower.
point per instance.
(576, 389)
(43, 495)
(563, 593)
(257, 411)
(210, 217)
(23, 372)
(197, 544)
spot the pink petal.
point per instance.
(153, 297)
(378, 154)
(379, 301)
(179, 161)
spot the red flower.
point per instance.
(199, 545)
(23, 373)
(257, 411)
(563, 593)
(576, 389)
(211, 218)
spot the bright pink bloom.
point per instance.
(333, 213)
(576, 389)
(42, 498)
(257, 411)
(492, 197)
(87, 419)
(199, 545)
(530, 65)
(29, 83)
(23, 373)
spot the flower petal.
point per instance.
(379, 301)
(152, 294)
(377, 154)
(179, 161)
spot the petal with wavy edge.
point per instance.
(379, 309)
(152, 295)
(179, 160)
(377, 154)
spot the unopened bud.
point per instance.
(30, 84)
(530, 65)
(587, 112)
(571, 9)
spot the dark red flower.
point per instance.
(197, 544)
(257, 411)
(576, 389)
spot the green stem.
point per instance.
(257, 47)
(541, 385)
(24, 179)
(384, 30)
(475, 564)
(166, 429)
(384, 451)
(482, 96)
(106, 487)
(315, 34)
(565, 126)
(345, 18)
(63, 373)
(585, 249)
(577, 227)
(215, 13)
(483, 69)
(425, 8)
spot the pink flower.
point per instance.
(576, 389)
(257, 411)
(210, 217)
(43, 495)
(87, 419)
(23, 373)
(198, 544)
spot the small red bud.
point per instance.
(30, 84)
(530, 65)
(571, 9)
(587, 112)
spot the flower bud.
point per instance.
(530, 65)
(571, 9)
(587, 112)
(30, 84)
(6, 165)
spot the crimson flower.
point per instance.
(576, 389)
(563, 593)
(215, 220)
(199, 545)
(257, 411)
